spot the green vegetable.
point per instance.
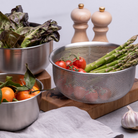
(129, 63)
(4, 100)
(18, 17)
(122, 57)
(41, 34)
(11, 39)
(5, 23)
(17, 32)
(29, 78)
(14, 99)
(129, 41)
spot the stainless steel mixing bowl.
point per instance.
(13, 60)
(92, 88)
(18, 115)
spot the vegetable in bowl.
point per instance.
(16, 31)
(12, 91)
(122, 57)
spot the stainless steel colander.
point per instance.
(91, 88)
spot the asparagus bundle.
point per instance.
(122, 57)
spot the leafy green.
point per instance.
(17, 86)
(25, 30)
(4, 100)
(3, 84)
(14, 99)
(41, 34)
(22, 88)
(17, 32)
(8, 78)
(29, 78)
(18, 8)
(11, 39)
(18, 16)
(5, 23)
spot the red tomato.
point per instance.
(68, 89)
(71, 67)
(79, 62)
(68, 62)
(91, 96)
(81, 70)
(104, 93)
(61, 63)
(79, 92)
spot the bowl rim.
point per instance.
(83, 43)
(31, 47)
(14, 102)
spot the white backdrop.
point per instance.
(124, 17)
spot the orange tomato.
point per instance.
(22, 95)
(8, 94)
(33, 89)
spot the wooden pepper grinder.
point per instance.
(101, 19)
(80, 16)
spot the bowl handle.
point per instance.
(54, 92)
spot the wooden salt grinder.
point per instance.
(80, 16)
(101, 19)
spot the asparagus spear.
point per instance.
(105, 60)
(129, 41)
(130, 52)
(109, 68)
(110, 56)
(117, 60)
(117, 63)
(133, 62)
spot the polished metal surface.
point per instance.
(84, 87)
(18, 115)
(13, 60)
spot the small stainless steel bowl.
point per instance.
(91, 88)
(13, 60)
(15, 116)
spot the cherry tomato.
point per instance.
(79, 92)
(71, 67)
(91, 96)
(61, 63)
(68, 62)
(81, 70)
(68, 88)
(104, 93)
(79, 62)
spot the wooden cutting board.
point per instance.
(55, 100)
(45, 78)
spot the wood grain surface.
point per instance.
(55, 100)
